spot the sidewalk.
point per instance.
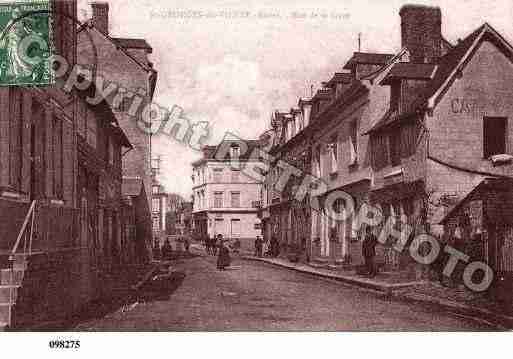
(456, 300)
(384, 282)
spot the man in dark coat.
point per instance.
(223, 259)
(275, 249)
(258, 246)
(166, 250)
(369, 251)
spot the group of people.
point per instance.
(269, 248)
(165, 252)
(217, 246)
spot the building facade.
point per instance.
(60, 197)
(225, 199)
(422, 135)
(124, 64)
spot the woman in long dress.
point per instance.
(223, 258)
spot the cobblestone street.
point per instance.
(257, 296)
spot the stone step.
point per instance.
(8, 293)
(5, 313)
(11, 276)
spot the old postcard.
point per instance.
(255, 166)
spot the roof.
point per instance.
(121, 135)
(411, 71)
(479, 191)
(340, 77)
(322, 94)
(446, 70)
(447, 65)
(209, 152)
(89, 25)
(348, 96)
(367, 58)
(131, 186)
(132, 43)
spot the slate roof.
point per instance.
(131, 186)
(406, 70)
(132, 43)
(209, 152)
(367, 58)
(446, 66)
(340, 77)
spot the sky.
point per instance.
(249, 58)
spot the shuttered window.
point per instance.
(16, 138)
(57, 151)
(91, 130)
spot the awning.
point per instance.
(483, 191)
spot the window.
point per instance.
(235, 200)
(235, 176)
(155, 189)
(218, 174)
(395, 94)
(218, 199)
(91, 131)
(235, 228)
(494, 136)
(111, 151)
(317, 162)
(333, 154)
(301, 123)
(122, 105)
(82, 117)
(394, 141)
(353, 131)
(156, 223)
(235, 152)
(155, 204)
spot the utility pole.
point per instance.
(359, 42)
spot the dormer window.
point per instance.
(235, 152)
(333, 154)
(353, 131)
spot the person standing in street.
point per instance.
(369, 251)
(214, 243)
(223, 259)
(258, 247)
(275, 250)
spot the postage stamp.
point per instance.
(25, 43)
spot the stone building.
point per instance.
(283, 216)
(60, 197)
(225, 199)
(124, 64)
(421, 135)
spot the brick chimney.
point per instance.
(101, 16)
(421, 32)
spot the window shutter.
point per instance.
(68, 161)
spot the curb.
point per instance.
(502, 322)
(368, 284)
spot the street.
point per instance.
(256, 296)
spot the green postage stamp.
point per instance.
(25, 43)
